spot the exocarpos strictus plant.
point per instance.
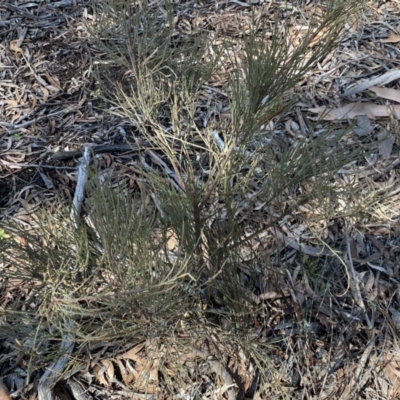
(216, 183)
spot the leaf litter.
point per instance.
(46, 115)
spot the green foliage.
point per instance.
(3, 234)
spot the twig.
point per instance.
(354, 284)
(310, 250)
(96, 149)
(52, 373)
(221, 371)
(380, 80)
(18, 165)
(16, 128)
(357, 382)
(171, 174)
(218, 141)
(80, 186)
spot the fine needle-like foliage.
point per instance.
(214, 187)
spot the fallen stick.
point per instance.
(80, 187)
(96, 149)
(54, 372)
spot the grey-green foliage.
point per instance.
(160, 92)
(116, 280)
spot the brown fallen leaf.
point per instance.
(172, 240)
(386, 143)
(388, 368)
(4, 395)
(372, 111)
(385, 93)
(126, 377)
(109, 370)
(318, 38)
(133, 354)
(15, 46)
(99, 375)
(395, 317)
(363, 127)
(393, 38)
